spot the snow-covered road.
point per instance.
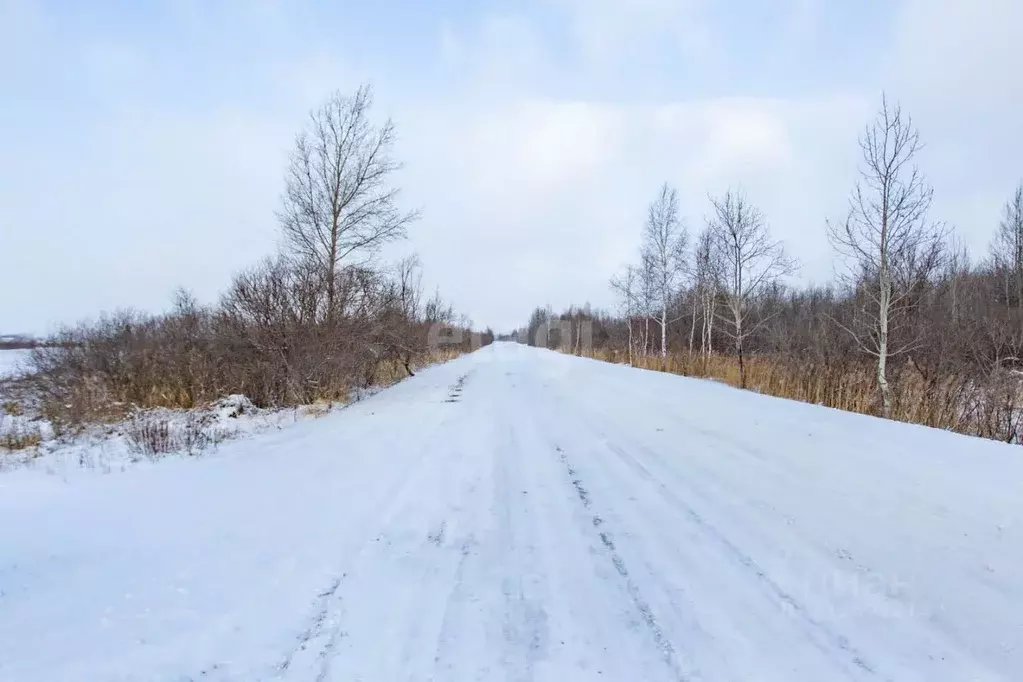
(517, 514)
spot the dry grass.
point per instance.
(851, 389)
(20, 437)
(317, 410)
(391, 371)
(955, 403)
(153, 434)
(150, 436)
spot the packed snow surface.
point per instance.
(518, 514)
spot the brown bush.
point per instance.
(271, 338)
(154, 434)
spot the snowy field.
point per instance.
(12, 361)
(517, 514)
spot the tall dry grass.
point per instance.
(392, 370)
(992, 408)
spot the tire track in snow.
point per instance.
(454, 598)
(524, 629)
(834, 639)
(642, 606)
(325, 623)
(832, 643)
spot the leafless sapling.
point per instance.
(750, 261)
(889, 245)
(1007, 249)
(664, 253)
(708, 275)
(625, 284)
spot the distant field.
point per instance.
(12, 361)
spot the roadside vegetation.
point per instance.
(911, 329)
(317, 322)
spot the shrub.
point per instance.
(153, 434)
(19, 436)
(270, 339)
(149, 435)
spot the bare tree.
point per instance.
(405, 338)
(890, 247)
(625, 284)
(751, 261)
(408, 280)
(708, 275)
(956, 268)
(337, 199)
(645, 298)
(961, 325)
(695, 294)
(664, 252)
(1007, 248)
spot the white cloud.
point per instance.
(532, 163)
(540, 201)
(949, 51)
(956, 68)
(539, 146)
(607, 30)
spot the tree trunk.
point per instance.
(630, 342)
(703, 334)
(884, 309)
(1019, 288)
(332, 258)
(331, 284)
(1014, 220)
(742, 365)
(692, 327)
(664, 331)
(738, 351)
(710, 327)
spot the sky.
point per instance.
(143, 144)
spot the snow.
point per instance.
(13, 361)
(519, 514)
(119, 446)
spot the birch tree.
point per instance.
(625, 284)
(750, 261)
(664, 252)
(707, 273)
(646, 297)
(338, 201)
(1007, 248)
(692, 326)
(889, 246)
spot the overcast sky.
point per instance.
(143, 144)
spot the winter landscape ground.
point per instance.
(519, 514)
(12, 361)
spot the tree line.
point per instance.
(911, 328)
(317, 319)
